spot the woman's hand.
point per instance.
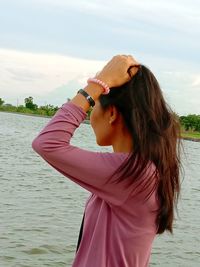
(118, 70)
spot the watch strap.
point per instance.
(87, 96)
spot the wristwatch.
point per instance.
(87, 96)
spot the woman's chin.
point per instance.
(102, 143)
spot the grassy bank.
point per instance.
(193, 136)
(26, 111)
(47, 111)
(36, 114)
(27, 114)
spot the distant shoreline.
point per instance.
(26, 114)
(191, 139)
(36, 115)
(88, 122)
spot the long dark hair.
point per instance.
(155, 131)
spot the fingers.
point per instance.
(132, 61)
(133, 65)
(124, 66)
(133, 70)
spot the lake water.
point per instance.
(41, 210)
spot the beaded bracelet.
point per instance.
(104, 85)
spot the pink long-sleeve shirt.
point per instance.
(119, 227)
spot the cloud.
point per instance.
(180, 92)
(97, 30)
(60, 94)
(23, 74)
(63, 42)
(52, 78)
(177, 15)
(39, 74)
(196, 81)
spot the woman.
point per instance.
(135, 187)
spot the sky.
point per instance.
(49, 48)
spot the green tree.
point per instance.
(49, 109)
(1, 101)
(29, 103)
(197, 123)
(191, 122)
(88, 113)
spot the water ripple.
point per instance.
(40, 216)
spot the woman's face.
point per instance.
(99, 120)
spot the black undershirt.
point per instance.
(80, 233)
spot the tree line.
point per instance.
(31, 108)
(190, 122)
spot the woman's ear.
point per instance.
(113, 114)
